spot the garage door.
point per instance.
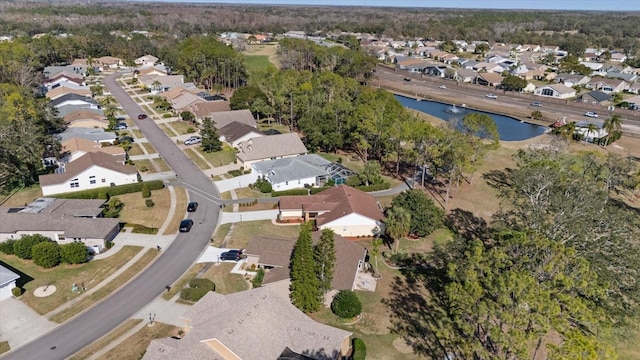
(5, 291)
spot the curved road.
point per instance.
(77, 333)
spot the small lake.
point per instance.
(510, 129)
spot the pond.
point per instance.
(510, 129)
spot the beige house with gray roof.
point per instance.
(257, 324)
(224, 118)
(269, 148)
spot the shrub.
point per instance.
(191, 130)
(6, 247)
(314, 191)
(167, 115)
(346, 304)
(145, 191)
(235, 172)
(106, 192)
(141, 229)
(257, 280)
(16, 291)
(23, 246)
(265, 187)
(197, 289)
(46, 254)
(359, 350)
(375, 187)
(74, 253)
(149, 203)
(290, 192)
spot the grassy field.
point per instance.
(167, 130)
(135, 210)
(137, 133)
(219, 235)
(257, 63)
(270, 51)
(193, 155)
(219, 158)
(264, 126)
(161, 164)
(104, 341)
(182, 282)
(107, 289)
(4, 347)
(150, 149)
(181, 206)
(135, 150)
(135, 346)
(63, 276)
(181, 127)
(24, 196)
(145, 166)
(248, 229)
(226, 282)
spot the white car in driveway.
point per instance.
(492, 96)
(193, 140)
(442, 86)
(591, 114)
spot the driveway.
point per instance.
(14, 314)
(238, 217)
(236, 182)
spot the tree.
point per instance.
(74, 253)
(398, 223)
(371, 174)
(536, 114)
(305, 291)
(324, 254)
(482, 49)
(513, 83)
(210, 140)
(46, 254)
(375, 251)
(23, 246)
(346, 304)
(614, 123)
(591, 129)
(146, 193)
(113, 207)
(426, 217)
(187, 116)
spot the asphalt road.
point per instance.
(428, 86)
(82, 330)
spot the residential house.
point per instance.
(178, 90)
(464, 75)
(150, 71)
(236, 132)
(607, 85)
(202, 109)
(75, 99)
(590, 56)
(557, 91)
(89, 171)
(553, 49)
(146, 60)
(405, 63)
(159, 84)
(224, 118)
(65, 110)
(7, 282)
(347, 211)
(74, 148)
(634, 88)
(528, 47)
(582, 129)
(274, 255)
(184, 100)
(618, 57)
(62, 90)
(634, 102)
(594, 66)
(628, 77)
(488, 79)
(62, 78)
(537, 74)
(85, 119)
(572, 80)
(103, 63)
(269, 148)
(256, 324)
(300, 171)
(62, 220)
(596, 97)
(75, 71)
(439, 71)
(488, 67)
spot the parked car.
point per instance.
(126, 138)
(120, 126)
(142, 116)
(591, 114)
(492, 96)
(442, 86)
(193, 140)
(536, 104)
(192, 206)
(407, 79)
(233, 255)
(185, 225)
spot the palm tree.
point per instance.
(591, 128)
(614, 123)
(375, 251)
(398, 224)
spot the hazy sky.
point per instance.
(616, 5)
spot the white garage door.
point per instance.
(5, 291)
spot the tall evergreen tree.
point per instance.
(324, 254)
(305, 293)
(210, 140)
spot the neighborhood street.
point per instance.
(85, 328)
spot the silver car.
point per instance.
(193, 140)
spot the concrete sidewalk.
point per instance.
(237, 217)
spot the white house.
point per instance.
(582, 128)
(343, 209)
(237, 132)
(75, 99)
(7, 282)
(557, 91)
(269, 148)
(91, 170)
(300, 171)
(146, 60)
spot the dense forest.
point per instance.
(605, 29)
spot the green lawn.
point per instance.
(182, 127)
(144, 166)
(226, 282)
(150, 149)
(219, 158)
(63, 276)
(264, 126)
(162, 165)
(135, 150)
(193, 155)
(257, 62)
(246, 230)
(167, 130)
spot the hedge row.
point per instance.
(107, 192)
(377, 187)
(359, 349)
(314, 191)
(141, 229)
(289, 192)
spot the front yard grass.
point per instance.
(183, 281)
(161, 164)
(178, 215)
(135, 150)
(247, 193)
(150, 149)
(219, 158)
(23, 197)
(246, 230)
(135, 211)
(137, 133)
(63, 277)
(265, 126)
(226, 282)
(256, 63)
(167, 130)
(193, 155)
(145, 166)
(219, 235)
(135, 346)
(181, 127)
(104, 341)
(130, 273)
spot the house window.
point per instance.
(75, 184)
(60, 237)
(286, 183)
(92, 181)
(104, 180)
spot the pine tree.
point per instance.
(324, 254)
(305, 293)
(210, 138)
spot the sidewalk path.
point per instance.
(233, 217)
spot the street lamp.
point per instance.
(151, 318)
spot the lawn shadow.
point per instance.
(24, 278)
(468, 225)
(499, 179)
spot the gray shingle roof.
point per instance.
(273, 146)
(293, 168)
(84, 162)
(91, 134)
(599, 96)
(67, 97)
(256, 324)
(235, 130)
(7, 276)
(223, 118)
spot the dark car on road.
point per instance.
(142, 116)
(192, 206)
(233, 255)
(185, 225)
